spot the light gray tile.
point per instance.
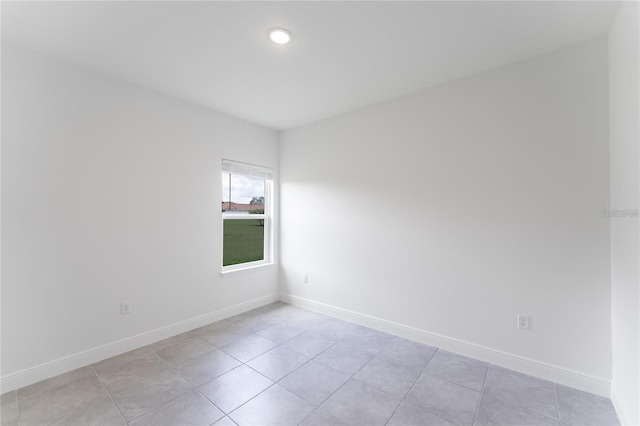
(273, 307)
(185, 350)
(448, 400)
(281, 332)
(234, 388)
(258, 313)
(410, 415)
(581, 408)
(344, 358)
(126, 374)
(495, 411)
(9, 409)
(310, 343)
(334, 328)
(458, 369)
(274, 406)
(268, 306)
(8, 398)
(120, 359)
(214, 326)
(281, 311)
(408, 353)
(170, 341)
(307, 320)
(257, 322)
(357, 403)
(387, 376)
(81, 402)
(223, 335)
(45, 386)
(254, 313)
(314, 382)
(206, 367)
(367, 340)
(149, 392)
(522, 391)
(322, 418)
(188, 409)
(249, 347)
(278, 362)
(362, 331)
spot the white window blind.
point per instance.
(247, 169)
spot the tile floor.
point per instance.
(279, 364)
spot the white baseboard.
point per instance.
(621, 409)
(53, 368)
(564, 376)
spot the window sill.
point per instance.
(246, 269)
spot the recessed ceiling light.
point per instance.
(280, 36)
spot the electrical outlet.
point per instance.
(305, 278)
(125, 308)
(524, 321)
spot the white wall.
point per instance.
(110, 193)
(624, 73)
(456, 208)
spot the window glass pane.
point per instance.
(245, 189)
(243, 241)
(242, 194)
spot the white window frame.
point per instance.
(246, 169)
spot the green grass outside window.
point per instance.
(243, 241)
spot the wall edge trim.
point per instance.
(619, 406)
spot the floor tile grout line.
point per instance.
(208, 381)
(356, 372)
(412, 385)
(250, 399)
(311, 359)
(251, 331)
(484, 381)
(186, 360)
(310, 414)
(258, 372)
(238, 359)
(332, 393)
(429, 374)
(18, 408)
(227, 416)
(300, 366)
(163, 404)
(350, 377)
(166, 402)
(452, 382)
(118, 364)
(106, 389)
(197, 388)
(555, 394)
(458, 384)
(275, 382)
(300, 396)
(212, 403)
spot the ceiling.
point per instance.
(344, 55)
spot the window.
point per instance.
(246, 220)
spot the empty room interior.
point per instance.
(429, 212)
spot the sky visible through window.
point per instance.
(243, 188)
